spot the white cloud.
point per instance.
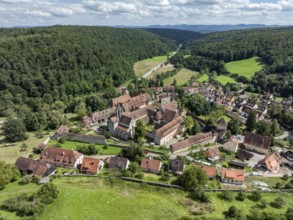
(143, 12)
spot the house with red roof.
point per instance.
(232, 176)
(91, 165)
(150, 165)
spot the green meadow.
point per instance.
(102, 150)
(225, 79)
(181, 77)
(247, 67)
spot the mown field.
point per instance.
(101, 198)
(102, 150)
(181, 77)
(143, 66)
(161, 70)
(225, 79)
(247, 67)
(203, 78)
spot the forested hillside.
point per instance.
(273, 45)
(52, 65)
(180, 36)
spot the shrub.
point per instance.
(255, 196)
(199, 194)
(227, 196)
(278, 203)
(241, 196)
(165, 177)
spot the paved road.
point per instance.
(159, 65)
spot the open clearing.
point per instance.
(247, 67)
(141, 67)
(203, 78)
(161, 70)
(182, 77)
(99, 198)
(225, 79)
(102, 150)
(9, 154)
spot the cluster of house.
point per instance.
(162, 113)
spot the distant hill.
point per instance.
(205, 28)
(180, 36)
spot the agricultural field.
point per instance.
(141, 67)
(161, 70)
(102, 150)
(182, 77)
(247, 67)
(10, 153)
(203, 78)
(225, 79)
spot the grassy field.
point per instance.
(9, 154)
(225, 79)
(203, 78)
(161, 70)
(141, 67)
(97, 198)
(101, 148)
(221, 206)
(182, 77)
(247, 67)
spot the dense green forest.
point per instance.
(180, 36)
(273, 45)
(50, 68)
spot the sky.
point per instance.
(144, 12)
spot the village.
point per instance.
(229, 159)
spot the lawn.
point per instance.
(101, 148)
(225, 79)
(221, 206)
(91, 198)
(247, 67)
(142, 67)
(9, 154)
(186, 56)
(203, 78)
(182, 77)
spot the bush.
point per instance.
(227, 196)
(240, 196)
(285, 177)
(87, 149)
(234, 213)
(278, 203)
(25, 205)
(165, 177)
(62, 140)
(199, 194)
(255, 196)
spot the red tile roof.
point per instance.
(236, 175)
(272, 162)
(170, 127)
(60, 156)
(150, 164)
(90, 165)
(31, 166)
(212, 152)
(210, 171)
(196, 139)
